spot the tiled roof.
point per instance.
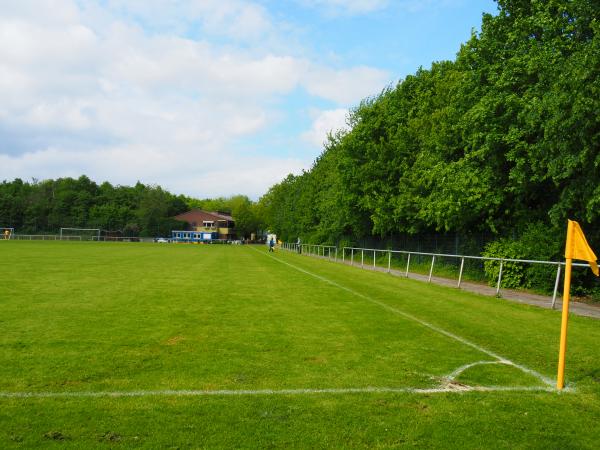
(197, 215)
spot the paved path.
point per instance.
(543, 301)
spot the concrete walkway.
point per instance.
(543, 301)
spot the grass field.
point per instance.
(190, 346)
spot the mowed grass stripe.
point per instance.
(436, 329)
(524, 334)
(106, 317)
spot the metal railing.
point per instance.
(324, 251)
(320, 251)
(43, 237)
(58, 237)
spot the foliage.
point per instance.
(141, 210)
(536, 243)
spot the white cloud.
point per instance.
(415, 6)
(346, 86)
(236, 19)
(347, 6)
(193, 171)
(85, 90)
(357, 7)
(325, 123)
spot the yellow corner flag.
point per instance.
(576, 248)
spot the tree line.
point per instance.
(141, 210)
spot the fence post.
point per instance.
(374, 259)
(343, 254)
(362, 258)
(407, 265)
(556, 286)
(389, 261)
(462, 265)
(352, 260)
(499, 277)
(335, 254)
(431, 269)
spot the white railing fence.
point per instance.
(64, 237)
(44, 237)
(355, 256)
(323, 251)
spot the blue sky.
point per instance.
(204, 97)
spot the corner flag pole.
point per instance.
(576, 248)
(560, 379)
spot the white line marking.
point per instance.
(461, 369)
(258, 392)
(532, 372)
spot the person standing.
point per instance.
(299, 245)
(272, 245)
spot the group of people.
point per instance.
(298, 245)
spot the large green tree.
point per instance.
(504, 136)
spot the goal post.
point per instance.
(88, 234)
(6, 233)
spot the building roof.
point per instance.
(198, 216)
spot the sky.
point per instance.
(205, 98)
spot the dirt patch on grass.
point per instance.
(316, 359)
(175, 340)
(110, 436)
(56, 436)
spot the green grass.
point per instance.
(125, 317)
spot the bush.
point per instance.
(513, 274)
(538, 242)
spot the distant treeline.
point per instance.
(504, 140)
(140, 210)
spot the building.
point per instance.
(216, 225)
(192, 236)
